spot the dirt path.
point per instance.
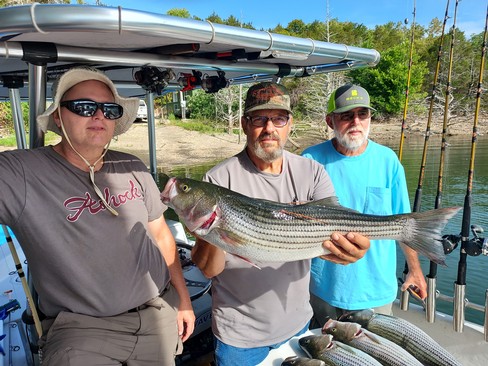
(176, 146)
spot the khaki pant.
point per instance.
(143, 338)
(322, 310)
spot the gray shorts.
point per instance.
(141, 338)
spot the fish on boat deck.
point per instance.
(322, 347)
(407, 335)
(382, 349)
(264, 231)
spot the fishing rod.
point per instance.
(405, 294)
(430, 310)
(469, 247)
(20, 272)
(407, 89)
(418, 192)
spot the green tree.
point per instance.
(201, 105)
(387, 82)
(176, 12)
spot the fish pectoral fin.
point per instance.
(247, 261)
(371, 336)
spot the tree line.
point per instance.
(386, 82)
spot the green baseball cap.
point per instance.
(267, 95)
(348, 97)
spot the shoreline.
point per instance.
(177, 147)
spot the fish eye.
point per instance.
(185, 187)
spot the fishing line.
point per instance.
(431, 277)
(407, 89)
(418, 192)
(466, 220)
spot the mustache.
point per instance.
(266, 135)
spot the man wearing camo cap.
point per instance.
(256, 310)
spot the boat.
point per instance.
(148, 54)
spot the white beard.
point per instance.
(352, 143)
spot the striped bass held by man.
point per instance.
(263, 231)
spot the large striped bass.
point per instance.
(385, 351)
(265, 231)
(405, 334)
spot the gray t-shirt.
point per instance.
(257, 307)
(82, 258)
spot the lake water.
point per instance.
(454, 188)
(456, 164)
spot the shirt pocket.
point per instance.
(378, 201)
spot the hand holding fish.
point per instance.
(345, 249)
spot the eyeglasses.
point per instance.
(262, 121)
(88, 108)
(349, 116)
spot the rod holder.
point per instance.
(431, 299)
(404, 296)
(486, 316)
(459, 296)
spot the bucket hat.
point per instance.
(75, 76)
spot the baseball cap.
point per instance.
(267, 95)
(348, 97)
(75, 76)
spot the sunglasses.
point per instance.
(261, 121)
(350, 116)
(88, 108)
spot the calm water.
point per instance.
(456, 164)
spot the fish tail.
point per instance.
(423, 232)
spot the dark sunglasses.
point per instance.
(88, 108)
(362, 114)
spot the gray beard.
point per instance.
(350, 144)
(267, 156)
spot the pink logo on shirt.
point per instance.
(77, 205)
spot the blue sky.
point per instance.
(265, 14)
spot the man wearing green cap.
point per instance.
(369, 178)
(257, 309)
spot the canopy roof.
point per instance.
(121, 41)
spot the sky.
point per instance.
(471, 14)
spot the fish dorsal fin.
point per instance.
(328, 201)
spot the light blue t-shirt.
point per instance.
(373, 183)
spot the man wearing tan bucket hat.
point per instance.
(91, 224)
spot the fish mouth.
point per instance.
(206, 223)
(168, 191)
